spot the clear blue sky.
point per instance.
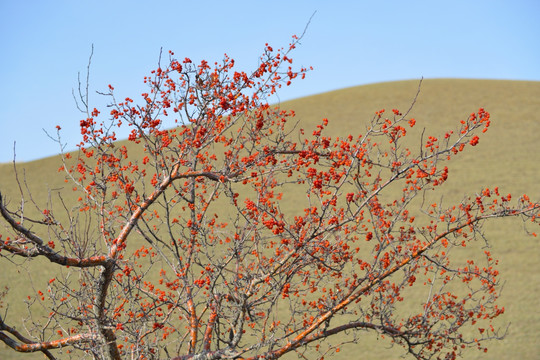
(44, 44)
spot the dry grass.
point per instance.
(507, 156)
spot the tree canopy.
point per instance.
(237, 233)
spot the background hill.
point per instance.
(507, 156)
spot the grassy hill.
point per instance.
(507, 156)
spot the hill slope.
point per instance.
(507, 156)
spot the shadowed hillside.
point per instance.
(508, 156)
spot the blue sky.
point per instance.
(44, 44)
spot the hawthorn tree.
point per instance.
(237, 234)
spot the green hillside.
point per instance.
(508, 156)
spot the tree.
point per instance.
(235, 234)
